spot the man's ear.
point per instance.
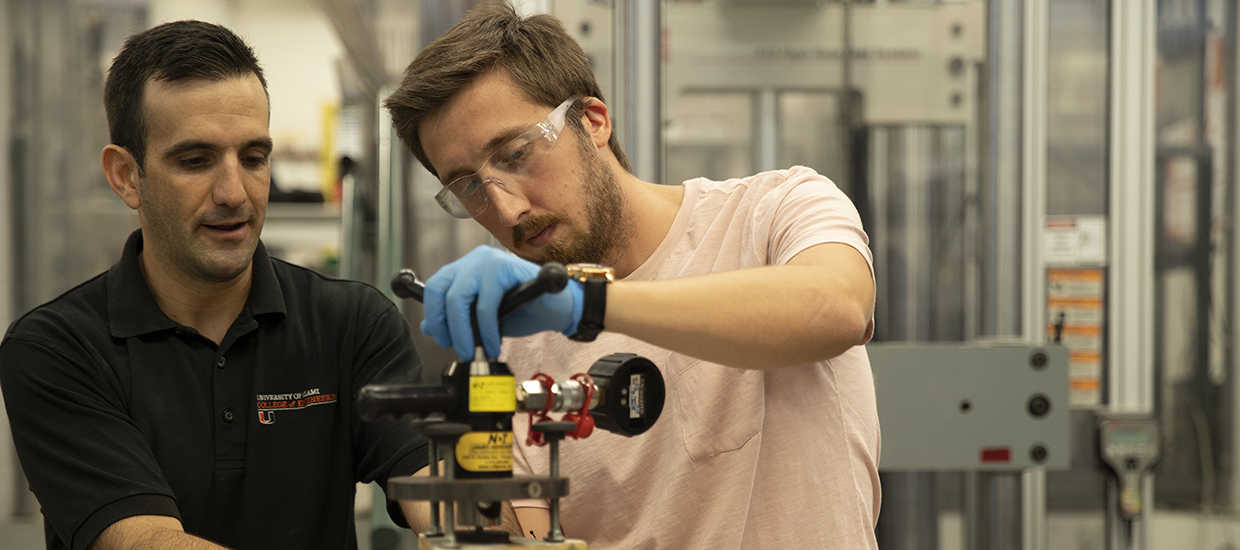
(597, 121)
(122, 172)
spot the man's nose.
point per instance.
(229, 186)
(509, 203)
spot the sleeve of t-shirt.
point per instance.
(386, 448)
(83, 456)
(805, 210)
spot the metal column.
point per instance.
(1031, 493)
(1001, 290)
(7, 259)
(11, 478)
(1131, 274)
(639, 85)
(393, 172)
(1234, 251)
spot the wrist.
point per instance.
(594, 280)
(578, 293)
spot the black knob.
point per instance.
(633, 393)
(405, 284)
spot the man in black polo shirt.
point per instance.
(200, 393)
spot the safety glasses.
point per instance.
(511, 165)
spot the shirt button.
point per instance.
(228, 415)
(220, 363)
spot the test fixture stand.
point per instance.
(468, 424)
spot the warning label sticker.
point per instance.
(485, 451)
(492, 394)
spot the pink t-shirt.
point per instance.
(739, 459)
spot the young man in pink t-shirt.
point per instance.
(754, 296)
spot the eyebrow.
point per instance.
(501, 138)
(195, 145)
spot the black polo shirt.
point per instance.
(117, 410)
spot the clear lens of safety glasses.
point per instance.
(512, 164)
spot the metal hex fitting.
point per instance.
(532, 396)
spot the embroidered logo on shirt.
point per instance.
(269, 403)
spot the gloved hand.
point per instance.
(484, 275)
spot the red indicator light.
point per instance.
(997, 454)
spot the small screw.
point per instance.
(965, 406)
(1039, 406)
(1038, 453)
(956, 66)
(1038, 359)
(957, 30)
(957, 99)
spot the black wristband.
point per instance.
(593, 310)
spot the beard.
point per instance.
(173, 239)
(607, 231)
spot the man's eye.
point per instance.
(513, 157)
(470, 187)
(255, 160)
(194, 162)
(518, 154)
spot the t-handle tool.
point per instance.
(405, 284)
(622, 393)
(552, 278)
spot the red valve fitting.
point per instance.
(532, 437)
(583, 420)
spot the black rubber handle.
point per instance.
(552, 278)
(376, 401)
(405, 284)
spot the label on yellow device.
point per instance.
(485, 451)
(492, 394)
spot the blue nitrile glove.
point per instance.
(485, 274)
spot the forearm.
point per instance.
(535, 522)
(149, 533)
(418, 513)
(761, 318)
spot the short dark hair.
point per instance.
(537, 52)
(168, 53)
